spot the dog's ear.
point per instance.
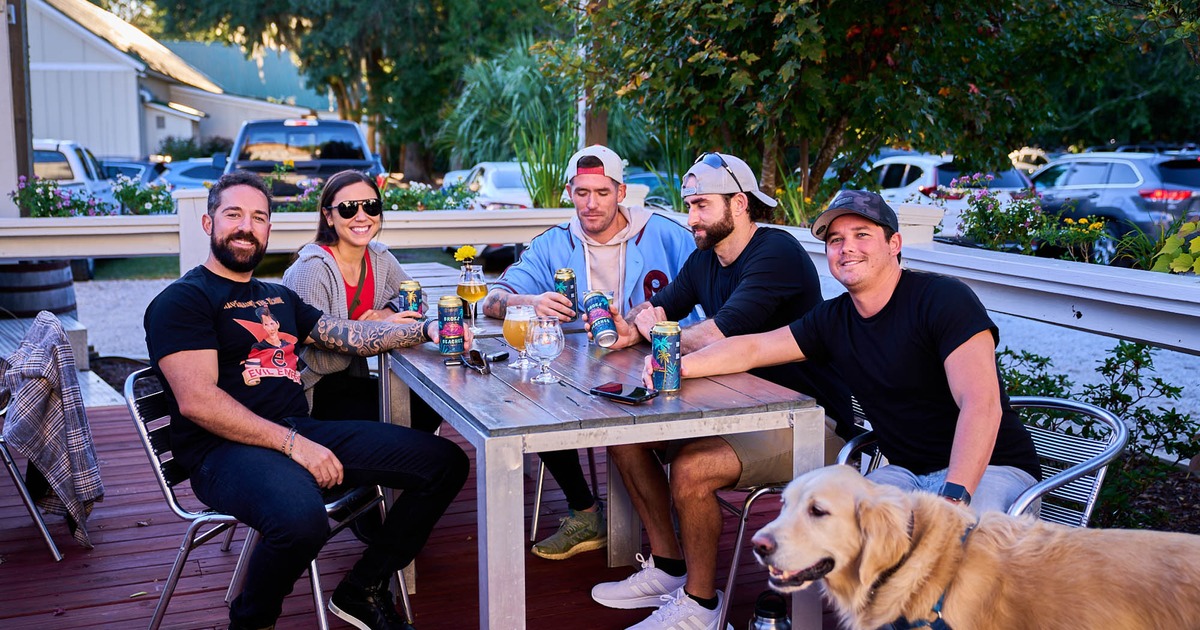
(883, 520)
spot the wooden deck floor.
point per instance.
(136, 537)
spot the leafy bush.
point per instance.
(45, 198)
(306, 201)
(152, 199)
(418, 196)
(1180, 252)
(184, 148)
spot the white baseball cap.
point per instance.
(723, 174)
(613, 166)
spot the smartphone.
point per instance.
(623, 393)
(497, 356)
(452, 361)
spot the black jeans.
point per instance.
(278, 497)
(339, 396)
(564, 467)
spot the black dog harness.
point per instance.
(939, 623)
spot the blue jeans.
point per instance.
(998, 489)
(280, 499)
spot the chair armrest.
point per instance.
(856, 444)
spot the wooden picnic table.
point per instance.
(504, 416)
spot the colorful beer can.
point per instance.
(604, 329)
(564, 284)
(664, 356)
(450, 325)
(410, 298)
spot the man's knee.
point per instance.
(300, 525)
(702, 468)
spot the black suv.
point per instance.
(1146, 191)
(315, 148)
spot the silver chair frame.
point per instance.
(26, 498)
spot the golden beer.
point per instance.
(472, 292)
(515, 331)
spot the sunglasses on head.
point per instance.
(714, 160)
(349, 209)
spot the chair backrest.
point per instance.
(147, 403)
(1073, 466)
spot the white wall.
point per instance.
(8, 137)
(174, 124)
(226, 112)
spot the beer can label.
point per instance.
(564, 284)
(604, 329)
(450, 328)
(410, 297)
(664, 359)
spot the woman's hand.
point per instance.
(403, 317)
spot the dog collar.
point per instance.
(938, 623)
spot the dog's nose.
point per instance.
(764, 544)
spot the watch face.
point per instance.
(956, 492)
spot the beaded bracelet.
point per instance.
(289, 443)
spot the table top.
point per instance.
(505, 402)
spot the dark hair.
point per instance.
(759, 212)
(326, 235)
(263, 310)
(591, 161)
(236, 178)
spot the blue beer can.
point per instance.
(664, 356)
(450, 325)
(564, 285)
(410, 298)
(604, 329)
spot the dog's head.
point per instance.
(834, 525)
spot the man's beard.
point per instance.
(716, 232)
(231, 260)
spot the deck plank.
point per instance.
(136, 538)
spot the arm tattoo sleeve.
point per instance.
(496, 304)
(364, 338)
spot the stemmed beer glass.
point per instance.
(472, 288)
(516, 328)
(544, 344)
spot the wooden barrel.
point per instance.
(30, 287)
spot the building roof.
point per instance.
(272, 75)
(132, 41)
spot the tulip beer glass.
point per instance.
(517, 319)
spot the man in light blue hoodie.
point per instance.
(630, 251)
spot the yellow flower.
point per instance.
(466, 254)
(1082, 223)
(289, 163)
(1069, 221)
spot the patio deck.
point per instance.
(136, 538)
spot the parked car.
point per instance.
(454, 177)
(1143, 191)
(661, 186)
(73, 167)
(311, 150)
(923, 178)
(500, 185)
(142, 172)
(190, 173)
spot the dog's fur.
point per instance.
(1010, 573)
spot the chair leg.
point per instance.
(314, 577)
(229, 538)
(737, 551)
(239, 570)
(27, 499)
(591, 453)
(185, 548)
(537, 501)
(402, 584)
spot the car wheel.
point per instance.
(1106, 246)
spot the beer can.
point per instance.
(604, 329)
(564, 284)
(410, 298)
(450, 325)
(664, 356)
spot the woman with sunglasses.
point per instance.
(345, 272)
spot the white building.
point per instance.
(101, 82)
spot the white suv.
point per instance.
(926, 179)
(73, 167)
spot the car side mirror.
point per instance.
(219, 160)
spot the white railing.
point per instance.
(1159, 309)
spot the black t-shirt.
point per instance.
(771, 284)
(898, 361)
(203, 311)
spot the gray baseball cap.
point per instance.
(723, 174)
(861, 202)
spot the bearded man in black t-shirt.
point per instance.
(922, 351)
(223, 344)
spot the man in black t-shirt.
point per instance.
(747, 278)
(922, 351)
(223, 344)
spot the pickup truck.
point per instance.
(315, 149)
(73, 167)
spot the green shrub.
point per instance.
(45, 198)
(1180, 252)
(153, 199)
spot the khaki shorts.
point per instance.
(766, 456)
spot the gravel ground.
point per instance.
(112, 310)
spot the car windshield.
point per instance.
(1181, 173)
(277, 143)
(51, 165)
(1004, 179)
(508, 179)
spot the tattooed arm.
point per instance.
(366, 338)
(547, 304)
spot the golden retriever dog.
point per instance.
(881, 553)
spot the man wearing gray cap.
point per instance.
(922, 350)
(748, 278)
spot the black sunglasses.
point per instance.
(715, 160)
(476, 360)
(349, 209)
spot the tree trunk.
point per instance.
(770, 170)
(416, 167)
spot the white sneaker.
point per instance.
(644, 589)
(680, 612)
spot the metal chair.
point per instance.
(152, 420)
(1073, 466)
(541, 480)
(26, 498)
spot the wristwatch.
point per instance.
(956, 493)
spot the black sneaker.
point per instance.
(367, 609)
